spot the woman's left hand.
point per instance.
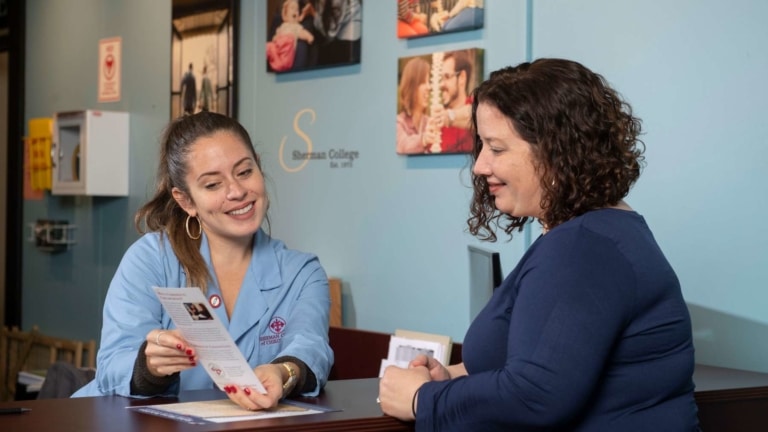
(271, 378)
(397, 389)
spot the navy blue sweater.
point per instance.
(589, 332)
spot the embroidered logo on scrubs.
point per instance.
(277, 325)
(215, 300)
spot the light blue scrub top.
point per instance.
(282, 286)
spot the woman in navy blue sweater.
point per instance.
(590, 331)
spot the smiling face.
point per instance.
(422, 95)
(507, 163)
(449, 84)
(226, 188)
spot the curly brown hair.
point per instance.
(583, 136)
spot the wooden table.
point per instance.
(728, 399)
(731, 400)
(356, 400)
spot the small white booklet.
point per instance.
(215, 349)
(405, 345)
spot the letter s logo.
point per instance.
(300, 133)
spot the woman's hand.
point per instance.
(437, 372)
(397, 389)
(167, 353)
(271, 377)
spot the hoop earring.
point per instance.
(186, 225)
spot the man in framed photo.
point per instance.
(456, 111)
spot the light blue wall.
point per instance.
(63, 293)
(392, 227)
(696, 72)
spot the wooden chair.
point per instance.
(335, 320)
(14, 346)
(32, 350)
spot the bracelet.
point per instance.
(413, 403)
(288, 385)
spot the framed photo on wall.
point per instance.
(434, 105)
(311, 34)
(419, 18)
(203, 62)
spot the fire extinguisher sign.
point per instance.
(109, 69)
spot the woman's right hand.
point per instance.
(437, 371)
(167, 353)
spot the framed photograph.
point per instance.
(419, 18)
(311, 34)
(203, 63)
(434, 105)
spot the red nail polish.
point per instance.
(179, 347)
(194, 363)
(234, 389)
(247, 391)
(228, 389)
(189, 352)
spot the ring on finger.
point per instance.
(157, 337)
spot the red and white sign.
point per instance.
(110, 63)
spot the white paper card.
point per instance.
(403, 350)
(216, 351)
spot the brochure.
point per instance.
(215, 349)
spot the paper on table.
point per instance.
(216, 351)
(224, 410)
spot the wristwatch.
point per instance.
(288, 384)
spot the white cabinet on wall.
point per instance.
(90, 153)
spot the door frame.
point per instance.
(14, 182)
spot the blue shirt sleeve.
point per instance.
(306, 337)
(131, 310)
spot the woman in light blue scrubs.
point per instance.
(203, 228)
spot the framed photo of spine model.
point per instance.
(434, 105)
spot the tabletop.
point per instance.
(354, 402)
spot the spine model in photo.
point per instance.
(435, 96)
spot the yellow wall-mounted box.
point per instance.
(39, 156)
